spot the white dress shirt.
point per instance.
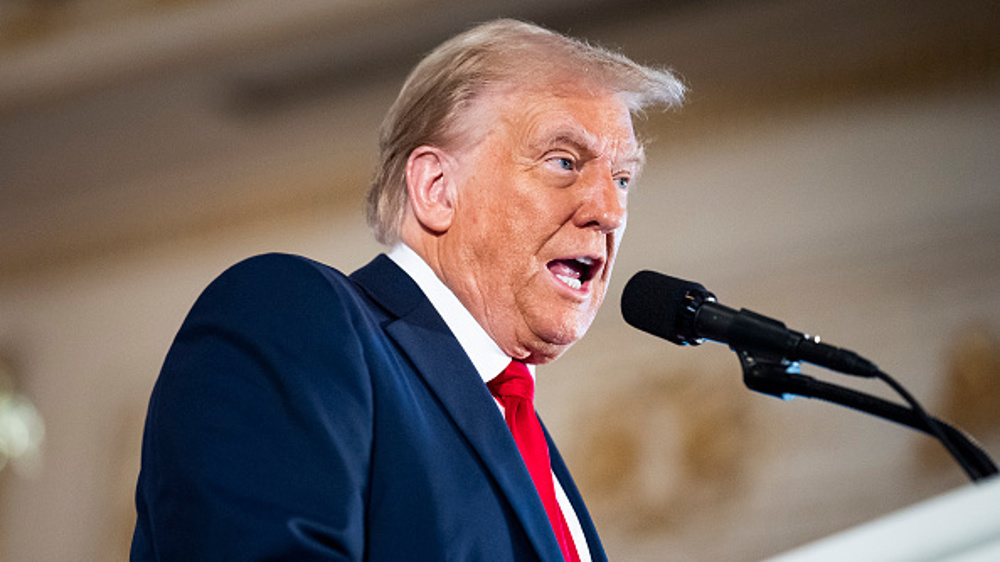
(486, 356)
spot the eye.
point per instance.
(623, 182)
(563, 163)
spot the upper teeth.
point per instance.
(571, 281)
(585, 261)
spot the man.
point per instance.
(304, 415)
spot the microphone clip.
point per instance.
(770, 375)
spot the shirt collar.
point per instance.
(486, 356)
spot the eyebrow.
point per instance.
(585, 141)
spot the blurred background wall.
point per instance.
(837, 166)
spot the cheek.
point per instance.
(514, 226)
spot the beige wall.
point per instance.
(869, 217)
(873, 224)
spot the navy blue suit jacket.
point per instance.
(304, 415)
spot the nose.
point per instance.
(602, 205)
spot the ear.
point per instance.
(430, 188)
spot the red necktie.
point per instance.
(515, 389)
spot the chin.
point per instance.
(550, 336)
(564, 338)
(546, 352)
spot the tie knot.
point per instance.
(514, 381)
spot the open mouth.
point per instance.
(574, 272)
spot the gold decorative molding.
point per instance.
(659, 450)
(969, 395)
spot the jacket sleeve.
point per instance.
(258, 437)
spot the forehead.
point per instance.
(538, 118)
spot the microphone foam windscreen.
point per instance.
(654, 303)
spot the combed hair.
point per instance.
(499, 53)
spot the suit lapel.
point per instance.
(424, 337)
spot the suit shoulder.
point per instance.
(279, 271)
(280, 286)
(281, 266)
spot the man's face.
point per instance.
(539, 215)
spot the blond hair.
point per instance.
(502, 52)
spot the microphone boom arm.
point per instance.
(775, 377)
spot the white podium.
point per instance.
(960, 526)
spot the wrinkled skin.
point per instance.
(524, 222)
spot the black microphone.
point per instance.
(686, 313)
